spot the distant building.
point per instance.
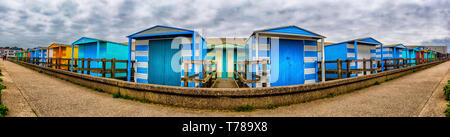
(9, 51)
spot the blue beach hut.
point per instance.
(100, 49)
(291, 52)
(391, 52)
(41, 52)
(159, 53)
(361, 48)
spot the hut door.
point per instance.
(224, 64)
(291, 68)
(159, 63)
(50, 53)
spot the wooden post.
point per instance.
(50, 62)
(339, 69)
(82, 66)
(131, 72)
(364, 67)
(404, 63)
(88, 66)
(348, 68)
(68, 64)
(264, 74)
(113, 68)
(103, 68)
(245, 69)
(385, 64)
(371, 66)
(59, 63)
(186, 74)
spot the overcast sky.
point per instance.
(31, 23)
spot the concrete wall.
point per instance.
(227, 98)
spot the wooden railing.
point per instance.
(388, 64)
(241, 75)
(209, 74)
(103, 67)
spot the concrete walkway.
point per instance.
(418, 94)
(225, 83)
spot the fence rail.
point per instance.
(375, 66)
(209, 74)
(104, 67)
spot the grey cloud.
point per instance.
(390, 22)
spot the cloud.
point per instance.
(440, 42)
(30, 24)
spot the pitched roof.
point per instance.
(162, 27)
(95, 39)
(280, 30)
(395, 45)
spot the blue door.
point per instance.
(291, 69)
(224, 64)
(89, 50)
(159, 64)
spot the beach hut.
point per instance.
(412, 55)
(92, 48)
(225, 52)
(361, 48)
(40, 54)
(59, 52)
(291, 53)
(159, 52)
(391, 52)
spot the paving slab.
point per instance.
(403, 97)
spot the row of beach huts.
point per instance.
(172, 56)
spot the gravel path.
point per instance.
(48, 96)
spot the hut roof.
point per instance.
(290, 30)
(93, 39)
(226, 42)
(395, 45)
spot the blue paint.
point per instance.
(160, 54)
(340, 51)
(292, 30)
(291, 66)
(101, 49)
(159, 65)
(159, 26)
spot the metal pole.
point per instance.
(323, 59)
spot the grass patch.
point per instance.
(377, 83)
(331, 95)
(271, 106)
(2, 87)
(3, 110)
(118, 95)
(447, 91)
(99, 90)
(389, 79)
(246, 108)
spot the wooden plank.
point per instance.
(113, 68)
(88, 66)
(339, 68)
(104, 67)
(348, 68)
(364, 67)
(186, 68)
